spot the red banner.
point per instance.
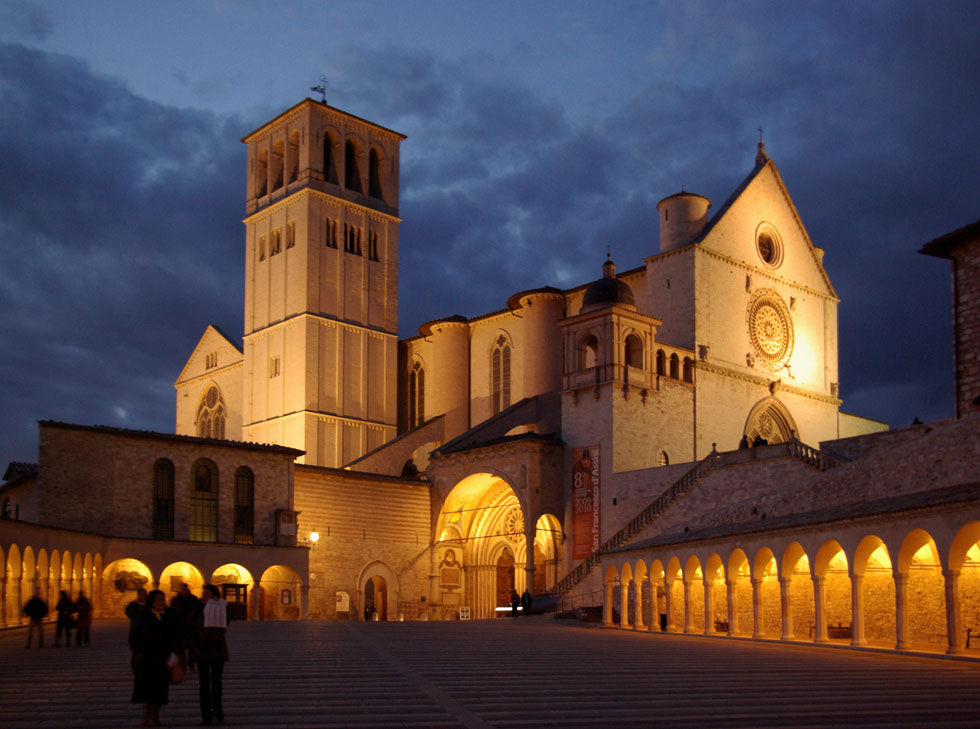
(585, 501)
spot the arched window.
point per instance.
(352, 175)
(278, 154)
(674, 367)
(500, 377)
(588, 352)
(688, 369)
(663, 459)
(211, 414)
(661, 363)
(244, 505)
(633, 354)
(204, 501)
(163, 499)
(416, 395)
(374, 175)
(262, 174)
(329, 166)
(292, 157)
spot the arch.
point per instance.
(694, 608)
(661, 363)
(627, 592)
(204, 501)
(588, 352)
(918, 560)
(211, 411)
(658, 596)
(329, 162)
(277, 163)
(872, 593)
(416, 393)
(674, 367)
(280, 594)
(715, 596)
(832, 590)
(765, 585)
(244, 505)
(121, 579)
(799, 612)
(633, 351)
(237, 587)
(352, 170)
(674, 595)
(262, 173)
(375, 188)
(500, 356)
(176, 574)
(688, 369)
(292, 157)
(770, 421)
(548, 537)
(378, 574)
(163, 499)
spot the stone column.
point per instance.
(638, 599)
(857, 611)
(902, 612)
(954, 623)
(607, 606)
(256, 598)
(624, 604)
(819, 610)
(731, 593)
(688, 607)
(654, 607)
(669, 606)
(756, 608)
(786, 608)
(709, 612)
(529, 568)
(15, 596)
(3, 600)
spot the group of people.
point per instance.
(190, 633)
(75, 615)
(520, 601)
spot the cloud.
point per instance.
(24, 20)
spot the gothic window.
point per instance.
(633, 352)
(663, 459)
(274, 366)
(211, 414)
(416, 395)
(262, 174)
(688, 369)
(331, 233)
(588, 352)
(204, 501)
(163, 499)
(275, 242)
(262, 248)
(374, 175)
(210, 360)
(661, 363)
(674, 367)
(293, 156)
(373, 247)
(500, 377)
(277, 164)
(244, 505)
(352, 174)
(352, 239)
(290, 235)
(329, 166)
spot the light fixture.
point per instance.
(314, 537)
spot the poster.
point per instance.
(585, 501)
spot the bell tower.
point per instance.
(321, 284)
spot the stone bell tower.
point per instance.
(321, 284)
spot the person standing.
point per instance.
(64, 607)
(212, 654)
(83, 623)
(37, 610)
(526, 601)
(155, 639)
(188, 607)
(515, 602)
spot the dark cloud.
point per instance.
(24, 20)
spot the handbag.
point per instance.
(176, 673)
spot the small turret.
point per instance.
(683, 216)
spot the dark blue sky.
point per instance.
(539, 134)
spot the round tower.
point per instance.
(450, 388)
(683, 216)
(541, 310)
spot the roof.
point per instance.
(16, 469)
(942, 246)
(188, 439)
(322, 105)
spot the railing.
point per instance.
(810, 456)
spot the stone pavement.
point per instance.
(526, 673)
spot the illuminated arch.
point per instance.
(120, 581)
(770, 419)
(378, 574)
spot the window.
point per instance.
(331, 233)
(662, 459)
(277, 164)
(275, 242)
(210, 360)
(768, 245)
(163, 499)
(329, 166)
(674, 366)
(374, 175)
(293, 156)
(352, 239)
(500, 377)
(244, 505)
(588, 352)
(661, 363)
(262, 174)
(211, 414)
(416, 395)
(633, 352)
(352, 174)
(688, 369)
(262, 248)
(274, 366)
(204, 501)
(290, 235)
(373, 247)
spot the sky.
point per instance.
(539, 134)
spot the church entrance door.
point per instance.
(505, 578)
(376, 599)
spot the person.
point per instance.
(37, 610)
(212, 654)
(155, 640)
(83, 623)
(515, 601)
(64, 607)
(188, 606)
(133, 611)
(526, 601)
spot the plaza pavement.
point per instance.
(525, 673)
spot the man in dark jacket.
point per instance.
(188, 608)
(37, 610)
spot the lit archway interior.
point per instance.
(120, 581)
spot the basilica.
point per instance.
(665, 441)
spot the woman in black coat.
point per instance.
(212, 654)
(157, 636)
